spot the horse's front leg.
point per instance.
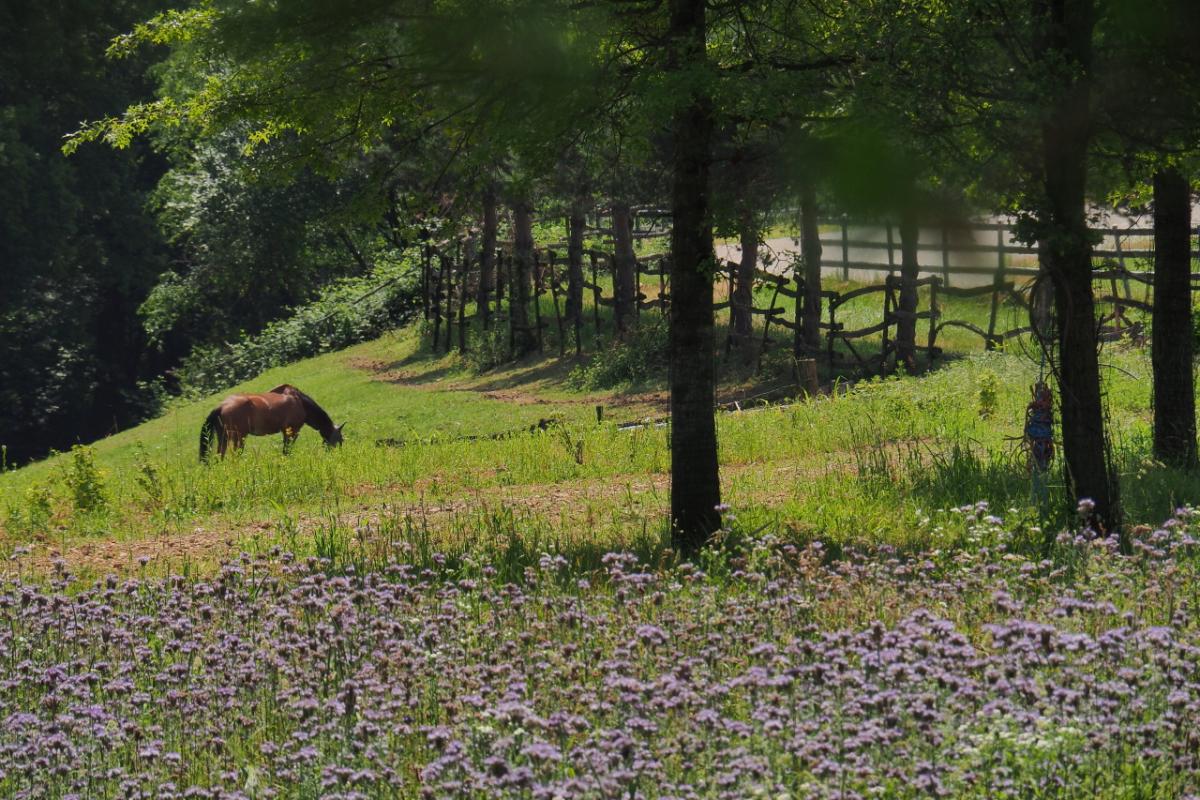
(289, 436)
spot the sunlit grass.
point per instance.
(432, 443)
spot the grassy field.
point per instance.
(514, 458)
(475, 597)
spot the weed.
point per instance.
(32, 517)
(572, 443)
(639, 358)
(987, 398)
(489, 349)
(84, 481)
(146, 475)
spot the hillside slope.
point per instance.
(441, 458)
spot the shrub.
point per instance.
(83, 480)
(488, 348)
(988, 396)
(346, 313)
(147, 477)
(34, 515)
(640, 357)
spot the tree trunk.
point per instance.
(906, 325)
(1171, 349)
(470, 256)
(522, 272)
(743, 288)
(1065, 42)
(1041, 303)
(809, 334)
(624, 269)
(577, 224)
(695, 479)
(487, 257)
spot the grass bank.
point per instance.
(513, 457)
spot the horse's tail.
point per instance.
(212, 425)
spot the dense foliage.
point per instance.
(347, 312)
(118, 264)
(78, 252)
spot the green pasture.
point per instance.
(512, 457)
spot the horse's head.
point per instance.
(334, 438)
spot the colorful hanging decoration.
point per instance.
(1039, 437)
(1039, 428)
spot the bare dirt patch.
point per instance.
(161, 553)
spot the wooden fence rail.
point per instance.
(450, 280)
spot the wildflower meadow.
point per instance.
(764, 670)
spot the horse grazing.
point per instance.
(284, 409)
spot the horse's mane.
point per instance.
(316, 415)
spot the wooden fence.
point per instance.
(450, 281)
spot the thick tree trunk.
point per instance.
(487, 257)
(1171, 349)
(1066, 38)
(906, 325)
(577, 224)
(695, 479)
(624, 269)
(808, 335)
(522, 272)
(743, 288)
(1041, 304)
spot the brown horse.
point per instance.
(284, 409)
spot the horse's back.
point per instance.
(262, 414)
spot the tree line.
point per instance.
(367, 125)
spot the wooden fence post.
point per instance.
(537, 297)
(806, 376)
(437, 300)
(501, 280)
(426, 280)
(767, 326)
(562, 337)
(945, 255)
(729, 331)
(891, 250)
(934, 314)
(889, 303)
(832, 327)
(887, 309)
(637, 285)
(1121, 261)
(845, 249)
(595, 295)
(997, 282)
(662, 286)
(463, 276)
(450, 302)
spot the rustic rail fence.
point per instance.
(450, 277)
